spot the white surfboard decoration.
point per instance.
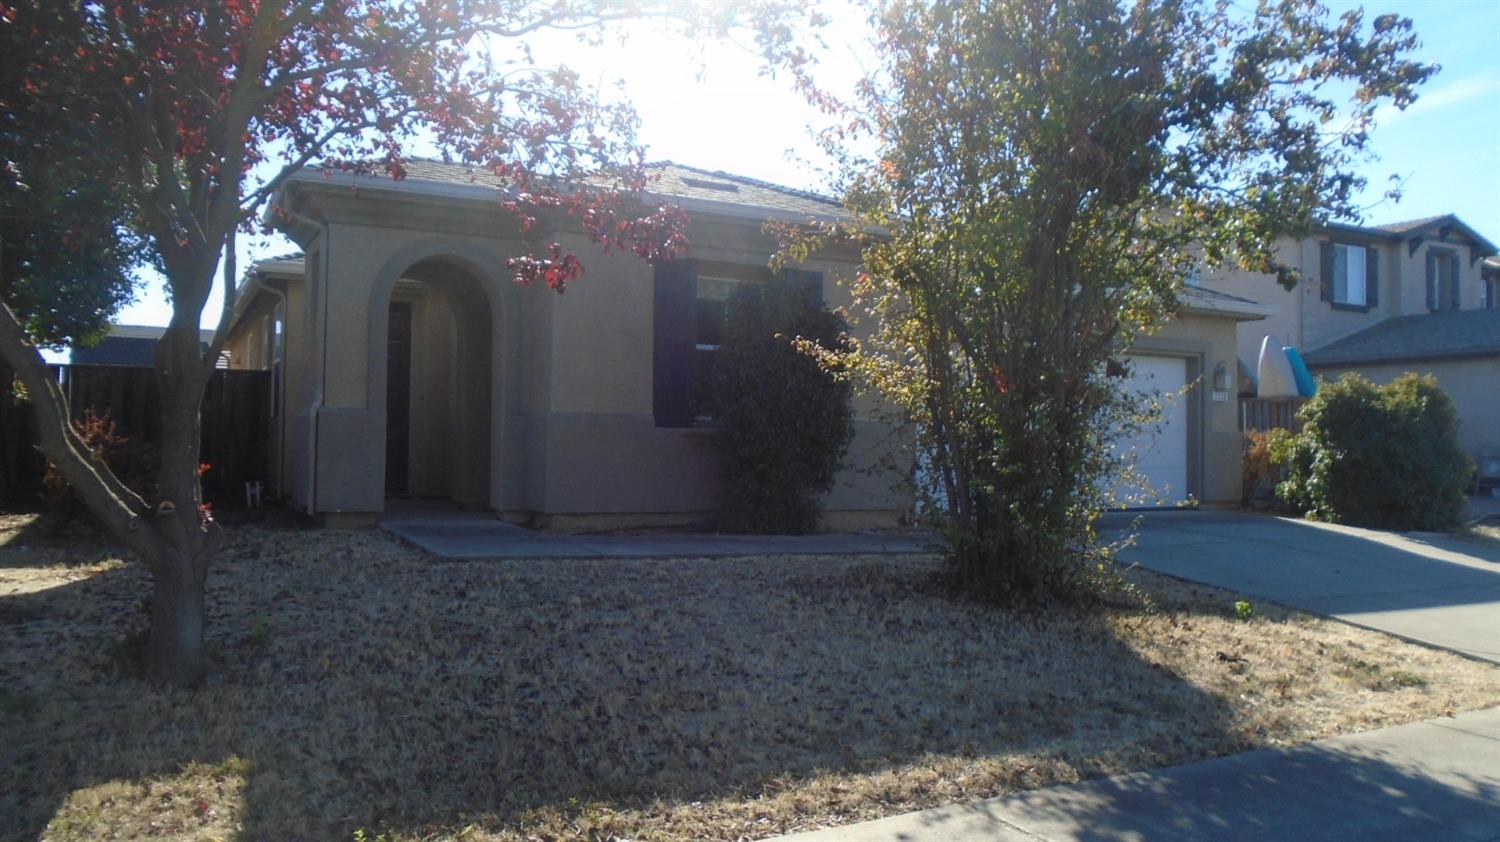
(1274, 371)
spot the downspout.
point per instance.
(315, 408)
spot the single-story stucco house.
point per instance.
(406, 363)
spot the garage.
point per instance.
(1162, 449)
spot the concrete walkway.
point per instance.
(455, 534)
(1429, 781)
(1434, 588)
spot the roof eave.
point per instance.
(428, 188)
(1390, 359)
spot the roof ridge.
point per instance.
(745, 179)
(1412, 223)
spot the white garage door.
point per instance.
(1161, 449)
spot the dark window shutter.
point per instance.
(1327, 266)
(1432, 281)
(674, 331)
(1372, 277)
(1455, 267)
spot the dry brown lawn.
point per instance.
(367, 687)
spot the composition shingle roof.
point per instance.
(668, 179)
(1462, 333)
(1207, 295)
(1413, 224)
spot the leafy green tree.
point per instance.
(784, 421)
(67, 252)
(1043, 168)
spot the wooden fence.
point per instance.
(235, 419)
(1270, 413)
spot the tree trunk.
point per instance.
(175, 649)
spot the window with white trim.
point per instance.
(1349, 275)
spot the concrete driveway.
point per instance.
(1433, 588)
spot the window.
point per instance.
(688, 317)
(1348, 275)
(1442, 280)
(1351, 275)
(1490, 289)
(713, 307)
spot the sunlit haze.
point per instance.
(707, 105)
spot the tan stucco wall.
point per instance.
(1285, 322)
(597, 444)
(1473, 384)
(1214, 446)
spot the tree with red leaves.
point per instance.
(205, 109)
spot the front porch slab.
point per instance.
(480, 535)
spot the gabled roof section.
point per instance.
(1415, 224)
(691, 186)
(1461, 333)
(1210, 302)
(1417, 231)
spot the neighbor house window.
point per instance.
(1351, 276)
(1490, 289)
(1442, 280)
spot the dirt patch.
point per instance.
(368, 687)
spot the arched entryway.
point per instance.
(438, 385)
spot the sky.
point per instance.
(709, 106)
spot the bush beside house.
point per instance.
(1377, 456)
(784, 423)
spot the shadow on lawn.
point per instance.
(366, 686)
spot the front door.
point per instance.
(398, 400)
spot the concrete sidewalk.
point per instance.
(1433, 588)
(1436, 780)
(455, 534)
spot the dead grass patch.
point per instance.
(367, 687)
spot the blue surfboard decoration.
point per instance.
(1306, 385)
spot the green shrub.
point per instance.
(1380, 456)
(784, 422)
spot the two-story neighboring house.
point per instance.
(1381, 300)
